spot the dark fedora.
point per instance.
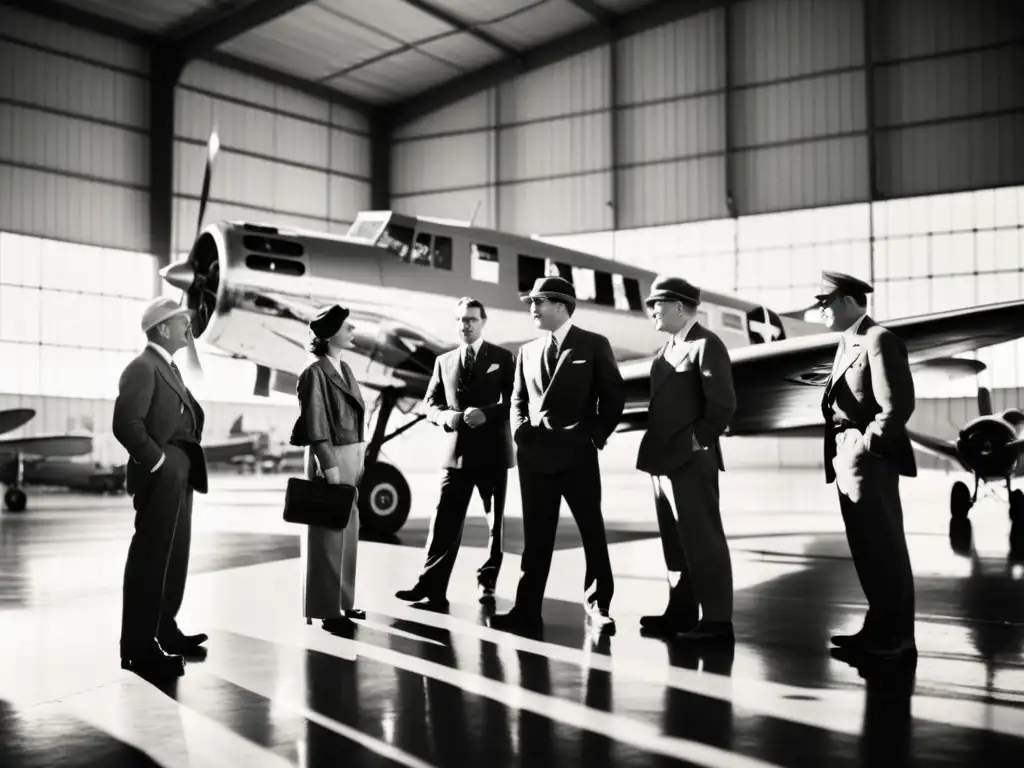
(328, 321)
(553, 289)
(840, 284)
(673, 289)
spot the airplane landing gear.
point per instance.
(960, 499)
(384, 495)
(15, 500)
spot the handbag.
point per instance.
(315, 502)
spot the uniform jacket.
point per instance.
(328, 408)
(490, 390)
(555, 427)
(147, 413)
(694, 399)
(873, 389)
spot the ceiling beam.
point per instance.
(592, 9)
(654, 14)
(206, 30)
(453, 20)
(76, 17)
(290, 81)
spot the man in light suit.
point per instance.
(468, 397)
(566, 401)
(160, 424)
(691, 403)
(868, 399)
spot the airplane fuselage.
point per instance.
(401, 278)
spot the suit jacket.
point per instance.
(556, 427)
(873, 389)
(489, 444)
(695, 399)
(147, 413)
(329, 408)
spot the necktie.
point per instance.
(466, 374)
(177, 373)
(550, 359)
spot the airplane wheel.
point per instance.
(384, 499)
(1017, 507)
(959, 500)
(15, 500)
(960, 536)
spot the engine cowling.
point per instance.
(982, 445)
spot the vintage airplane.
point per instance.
(990, 447)
(14, 453)
(253, 288)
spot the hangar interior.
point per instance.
(743, 145)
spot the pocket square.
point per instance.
(493, 368)
(577, 362)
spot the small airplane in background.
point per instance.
(990, 447)
(250, 448)
(253, 289)
(36, 461)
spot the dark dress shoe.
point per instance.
(341, 624)
(418, 594)
(184, 644)
(855, 640)
(515, 621)
(665, 625)
(154, 663)
(354, 613)
(710, 632)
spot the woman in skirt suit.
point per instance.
(331, 426)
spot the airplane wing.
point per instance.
(13, 418)
(778, 385)
(48, 446)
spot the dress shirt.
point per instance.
(559, 336)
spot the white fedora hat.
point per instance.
(161, 309)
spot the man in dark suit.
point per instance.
(468, 397)
(160, 424)
(868, 399)
(692, 401)
(566, 401)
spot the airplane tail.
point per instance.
(236, 427)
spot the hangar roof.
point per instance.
(407, 56)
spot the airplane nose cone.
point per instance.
(180, 275)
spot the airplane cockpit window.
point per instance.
(557, 269)
(530, 268)
(366, 227)
(483, 263)
(397, 239)
(442, 258)
(421, 249)
(583, 281)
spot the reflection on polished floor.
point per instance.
(412, 687)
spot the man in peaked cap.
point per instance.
(567, 398)
(160, 424)
(692, 401)
(868, 399)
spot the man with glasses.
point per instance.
(468, 396)
(160, 424)
(868, 399)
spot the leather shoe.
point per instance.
(418, 594)
(856, 640)
(184, 644)
(154, 663)
(664, 625)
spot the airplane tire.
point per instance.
(15, 500)
(1017, 507)
(384, 499)
(959, 500)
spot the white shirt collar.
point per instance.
(852, 330)
(161, 351)
(680, 337)
(560, 334)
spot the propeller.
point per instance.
(192, 364)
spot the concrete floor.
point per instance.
(414, 688)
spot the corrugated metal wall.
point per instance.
(286, 157)
(73, 135)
